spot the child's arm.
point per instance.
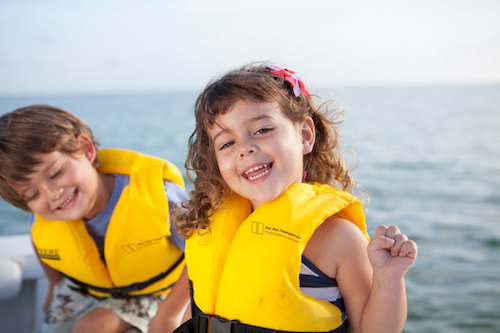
(54, 277)
(171, 310)
(373, 285)
(374, 296)
(391, 255)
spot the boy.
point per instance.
(101, 225)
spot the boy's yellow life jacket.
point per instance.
(247, 266)
(137, 249)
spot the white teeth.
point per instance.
(256, 168)
(259, 175)
(65, 203)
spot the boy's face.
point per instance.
(63, 187)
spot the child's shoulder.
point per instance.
(338, 230)
(335, 242)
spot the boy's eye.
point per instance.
(56, 174)
(32, 196)
(263, 130)
(226, 145)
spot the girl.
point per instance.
(274, 240)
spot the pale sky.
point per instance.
(151, 45)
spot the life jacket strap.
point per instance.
(205, 323)
(214, 324)
(124, 292)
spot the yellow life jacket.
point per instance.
(137, 248)
(246, 268)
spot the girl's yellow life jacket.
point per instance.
(247, 266)
(137, 248)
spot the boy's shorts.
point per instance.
(69, 305)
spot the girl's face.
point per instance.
(259, 150)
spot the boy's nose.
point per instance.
(53, 191)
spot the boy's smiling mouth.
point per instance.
(258, 171)
(69, 200)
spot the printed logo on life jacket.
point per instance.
(49, 254)
(134, 247)
(261, 229)
(257, 227)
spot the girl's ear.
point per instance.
(88, 147)
(308, 135)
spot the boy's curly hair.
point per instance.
(26, 133)
(254, 82)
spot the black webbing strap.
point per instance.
(214, 324)
(204, 323)
(122, 292)
(217, 324)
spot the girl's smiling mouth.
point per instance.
(258, 171)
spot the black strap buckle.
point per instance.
(217, 324)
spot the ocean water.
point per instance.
(427, 157)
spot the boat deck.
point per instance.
(23, 286)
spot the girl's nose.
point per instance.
(247, 148)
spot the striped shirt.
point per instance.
(317, 284)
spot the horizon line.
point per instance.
(155, 91)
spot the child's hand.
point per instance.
(391, 253)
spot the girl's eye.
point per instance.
(226, 145)
(55, 175)
(263, 130)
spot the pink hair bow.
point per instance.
(291, 78)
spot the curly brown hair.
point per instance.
(28, 132)
(254, 82)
